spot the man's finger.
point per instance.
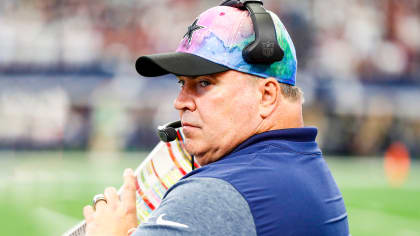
(100, 205)
(88, 213)
(111, 197)
(128, 195)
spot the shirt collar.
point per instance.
(305, 134)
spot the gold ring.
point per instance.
(97, 198)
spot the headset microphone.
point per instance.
(167, 133)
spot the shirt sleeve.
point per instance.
(200, 206)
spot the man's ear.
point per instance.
(269, 90)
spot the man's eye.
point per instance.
(181, 83)
(204, 83)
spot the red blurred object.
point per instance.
(397, 164)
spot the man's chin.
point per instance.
(201, 155)
(192, 147)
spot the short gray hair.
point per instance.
(291, 93)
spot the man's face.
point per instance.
(218, 112)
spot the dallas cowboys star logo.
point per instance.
(191, 29)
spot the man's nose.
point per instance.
(184, 101)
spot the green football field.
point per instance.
(43, 193)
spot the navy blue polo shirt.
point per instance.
(274, 183)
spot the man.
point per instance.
(262, 172)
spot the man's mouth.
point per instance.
(189, 125)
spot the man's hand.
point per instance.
(116, 216)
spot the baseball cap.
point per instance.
(214, 43)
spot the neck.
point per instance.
(287, 116)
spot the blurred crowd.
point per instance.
(67, 76)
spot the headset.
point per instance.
(265, 49)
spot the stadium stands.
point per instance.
(67, 76)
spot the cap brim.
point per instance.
(177, 63)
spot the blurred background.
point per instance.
(74, 113)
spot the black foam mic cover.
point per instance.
(167, 133)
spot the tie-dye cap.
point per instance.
(214, 43)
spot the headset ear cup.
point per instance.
(253, 53)
(265, 49)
